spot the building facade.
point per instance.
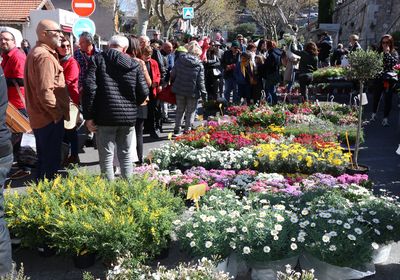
(369, 19)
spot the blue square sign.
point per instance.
(188, 13)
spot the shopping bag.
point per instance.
(167, 95)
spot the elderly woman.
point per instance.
(187, 76)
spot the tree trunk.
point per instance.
(357, 147)
(143, 17)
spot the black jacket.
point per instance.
(5, 135)
(271, 66)
(228, 58)
(308, 61)
(114, 86)
(212, 63)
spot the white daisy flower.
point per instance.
(246, 250)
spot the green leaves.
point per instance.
(86, 213)
(364, 65)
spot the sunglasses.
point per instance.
(6, 39)
(385, 42)
(65, 46)
(55, 30)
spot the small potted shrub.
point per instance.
(364, 66)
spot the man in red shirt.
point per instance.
(13, 65)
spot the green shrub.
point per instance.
(88, 214)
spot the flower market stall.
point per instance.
(278, 195)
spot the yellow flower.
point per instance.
(309, 161)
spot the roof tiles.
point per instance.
(18, 10)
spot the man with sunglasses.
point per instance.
(47, 99)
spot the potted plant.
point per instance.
(363, 66)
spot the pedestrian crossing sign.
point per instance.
(188, 13)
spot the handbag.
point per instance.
(167, 95)
(73, 116)
(216, 72)
(15, 120)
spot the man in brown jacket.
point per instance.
(47, 99)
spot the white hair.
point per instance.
(145, 38)
(194, 48)
(119, 40)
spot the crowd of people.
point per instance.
(119, 87)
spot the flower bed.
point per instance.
(87, 214)
(246, 181)
(273, 157)
(341, 227)
(304, 118)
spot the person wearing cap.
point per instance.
(229, 60)
(242, 42)
(13, 64)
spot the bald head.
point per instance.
(49, 33)
(167, 47)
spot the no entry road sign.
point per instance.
(83, 8)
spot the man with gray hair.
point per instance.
(113, 89)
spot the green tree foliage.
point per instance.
(325, 11)
(246, 29)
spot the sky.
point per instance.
(126, 5)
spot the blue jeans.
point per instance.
(5, 243)
(271, 90)
(107, 138)
(48, 149)
(231, 85)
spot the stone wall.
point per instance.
(370, 19)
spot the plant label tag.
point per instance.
(195, 191)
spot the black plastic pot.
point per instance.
(45, 251)
(84, 261)
(362, 169)
(164, 252)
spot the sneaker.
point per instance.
(71, 160)
(373, 117)
(177, 133)
(385, 122)
(20, 174)
(117, 171)
(398, 150)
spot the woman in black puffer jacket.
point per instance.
(187, 76)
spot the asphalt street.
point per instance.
(378, 153)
